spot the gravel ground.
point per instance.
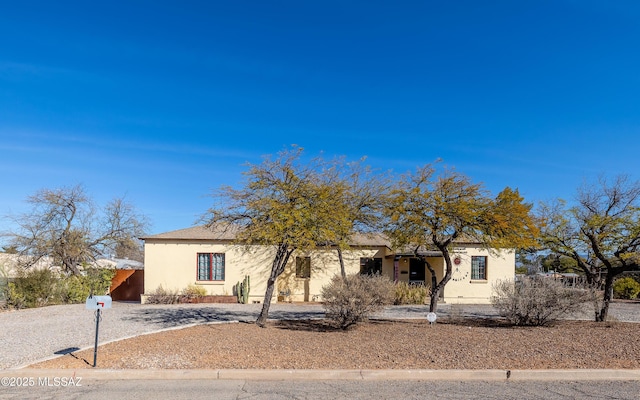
(27, 336)
(34, 334)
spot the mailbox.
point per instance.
(98, 302)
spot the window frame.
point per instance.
(370, 266)
(303, 264)
(211, 269)
(479, 272)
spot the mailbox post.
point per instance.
(97, 303)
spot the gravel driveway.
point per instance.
(31, 335)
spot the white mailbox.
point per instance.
(98, 302)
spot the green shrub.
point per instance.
(4, 283)
(99, 279)
(33, 288)
(536, 301)
(41, 287)
(348, 302)
(410, 294)
(76, 288)
(626, 288)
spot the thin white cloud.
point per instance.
(29, 142)
(17, 70)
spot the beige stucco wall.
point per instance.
(461, 289)
(324, 266)
(173, 266)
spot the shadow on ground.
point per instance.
(172, 317)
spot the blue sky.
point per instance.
(162, 102)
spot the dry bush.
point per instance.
(163, 296)
(194, 291)
(353, 300)
(411, 294)
(536, 301)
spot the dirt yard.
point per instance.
(313, 344)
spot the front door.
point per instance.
(416, 271)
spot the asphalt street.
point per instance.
(325, 390)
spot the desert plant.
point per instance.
(99, 279)
(242, 290)
(33, 288)
(76, 288)
(536, 301)
(410, 294)
(4, 283)
(626, 288)
(163, 296)
(194, 291)
(352, 300)
(41, 287)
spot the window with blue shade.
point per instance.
(479, 268)
(210, 266)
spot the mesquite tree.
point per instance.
(358, 195)
(600, 232)
(284, 203)
(64, 225)
(430, 211)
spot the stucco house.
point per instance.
(210, 259)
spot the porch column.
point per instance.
(396, 268)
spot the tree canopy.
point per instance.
(357, 199)
(64, 224)
(428, 210)
(600, 232)
(285, 203)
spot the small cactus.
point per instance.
(245, 290)
(238, 291)
(242, 290)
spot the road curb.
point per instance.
(307, 374)
(575, 375)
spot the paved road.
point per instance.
(31, 335)
(325, 390)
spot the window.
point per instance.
(210, 266)
(303, 267)
(479, 267)
(371, 266)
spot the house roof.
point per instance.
(197, 233)
(203, 233)
(119, 263)
(200, 232)
(10, 264)
(370, 239)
